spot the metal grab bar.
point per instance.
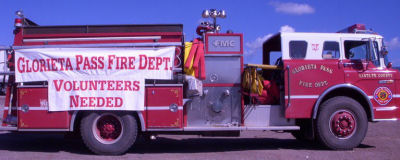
(288, 86)
(263, 66)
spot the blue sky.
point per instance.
(255, 19)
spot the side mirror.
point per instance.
(389, 65)
(365, 65)
(384, 52)
(351, 54)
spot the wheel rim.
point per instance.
(343, 124)
(107, 128)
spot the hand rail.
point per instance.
(288, 84)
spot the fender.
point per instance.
(350, 86)
(73, 117)
(72, 121)
(141, 119)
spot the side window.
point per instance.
(375, 56)
(297, 49)
(356, 49)
(331, 50)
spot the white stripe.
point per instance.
(13, 108)
(157, 108)
(46, 108)
(302, 97)
(91, 39)
(386, 108)
(370, 97)
(316, 96)
(153, 108)
(30, 108)
(389, 119)
(36, 108)
(394, 96)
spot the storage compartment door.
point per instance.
(33, 111)
(164, 107)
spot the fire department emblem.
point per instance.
(383, 95)
(315, 47)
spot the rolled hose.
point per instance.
(201, 29)
(252, 81)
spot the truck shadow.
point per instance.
(200, 145)
(39, 142)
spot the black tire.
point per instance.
(341, 123)
(102, 139)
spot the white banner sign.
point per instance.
(94, 78)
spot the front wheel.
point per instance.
(342, 123)
(108, 133)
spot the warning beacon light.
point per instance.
(18, 21)
(214, 14)
(19, 13)
(356, 28)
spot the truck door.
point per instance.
(311, 68)
(364, 69)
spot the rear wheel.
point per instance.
(108, 133)
(342, 123)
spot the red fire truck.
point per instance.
(325, 87)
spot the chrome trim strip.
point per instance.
(165, 129)
(343, 86)
(141, 119)
(158, 44)
(49, 130)
(32, 86)
(302, 97)
(241, 128)
(386, 108)
(163, 85)
(6, 128)
(71, 123)
(91, 39)
(222, 55)
(31, 108)
(396, 95)
(388, 119)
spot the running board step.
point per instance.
(277, 128)
(7, 128)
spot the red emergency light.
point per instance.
(354, 29)
(18, 22)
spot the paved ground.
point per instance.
(382, 142)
